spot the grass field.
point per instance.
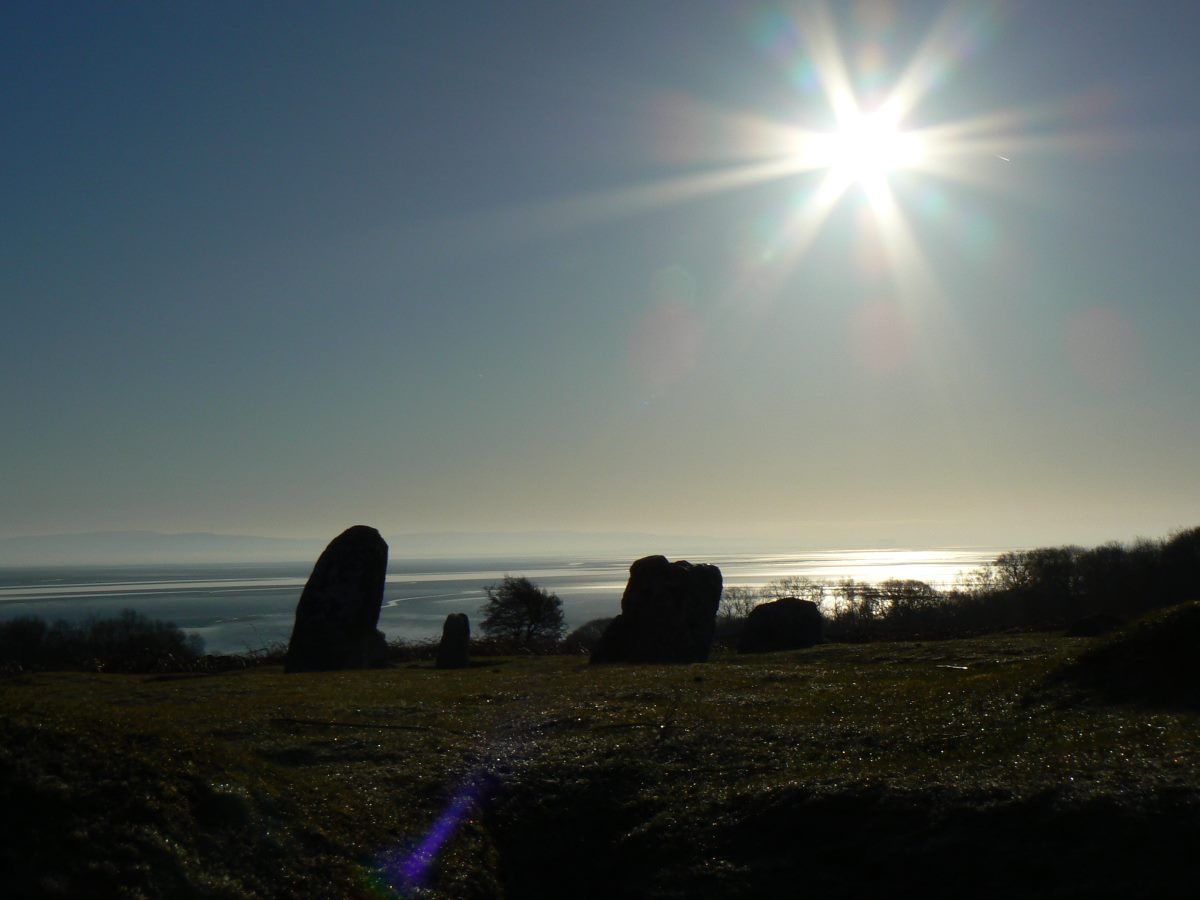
(955, 768)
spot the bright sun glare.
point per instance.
(867, 147)
(875, 136)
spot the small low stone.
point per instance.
(453, 651)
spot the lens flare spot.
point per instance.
(804, 77)
(664, 346)
(871, 63)
(673, 284)
(880, 337)
(1101, 346)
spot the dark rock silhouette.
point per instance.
(339, 608)
(456, 638)
(668, 614)
(785, 624)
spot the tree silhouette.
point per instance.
(519, 612)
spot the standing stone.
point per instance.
(456, 638)
(668, 614)
(785, 624)
(339, 608)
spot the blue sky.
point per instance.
(280, 268)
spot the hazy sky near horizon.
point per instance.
(278, 268)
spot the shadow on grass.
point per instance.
(1155, 662)
(864, 842)
(565, 834)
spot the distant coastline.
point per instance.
(245, 605)
(132, 548)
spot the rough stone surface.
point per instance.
(339, 608)
(456, 639)
(785, 624)
(668, 614)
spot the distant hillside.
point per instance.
(149, 547)
(582, 544)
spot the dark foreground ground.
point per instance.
(952, 769)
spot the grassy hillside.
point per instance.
(958, 768)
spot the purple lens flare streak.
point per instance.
(407, 869)
(415, 867)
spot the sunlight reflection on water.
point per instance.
(246, 607)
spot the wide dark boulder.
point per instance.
(456, 638)
(668, 614)
(785, 624)
(339, 609)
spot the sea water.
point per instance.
(237, 608)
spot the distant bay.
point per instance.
(240, 607)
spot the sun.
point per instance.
(847, 138)
(868, 147)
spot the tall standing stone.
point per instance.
(456, 639)
(668, 614)
(339, 609)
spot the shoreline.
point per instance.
(253, 604)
